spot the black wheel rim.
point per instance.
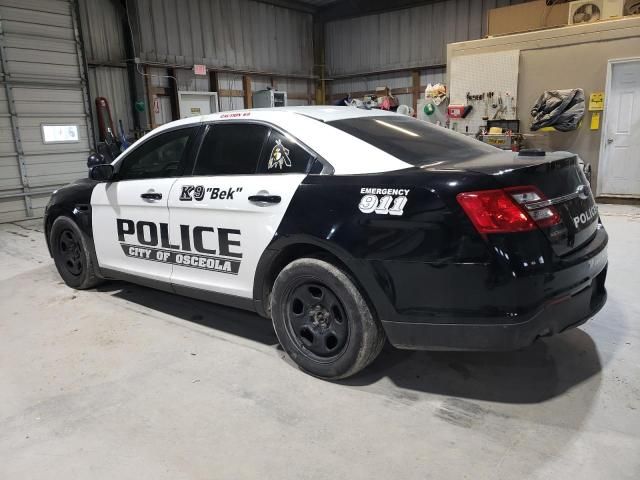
(317, 321)
(70, 250)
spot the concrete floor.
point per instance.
(127, 382)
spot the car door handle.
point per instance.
(151, 196)
(265, 198)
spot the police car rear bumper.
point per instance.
(495, 334)
(472, 308)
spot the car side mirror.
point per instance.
(95, 159)
(101, 173)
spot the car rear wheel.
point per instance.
(71, 254)
(322, 320)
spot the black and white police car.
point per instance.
(345, 227)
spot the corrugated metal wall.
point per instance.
(369, 84)
(413, 37)
(295, 87)
(403, 39)
(230, 81)
(391, 80)
(228, 34)
(42, 83)
(113, 84)
(104, 44)
(190, 82)
(103, 33)
(222, 34)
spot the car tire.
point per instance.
(322, 320)
(71, 254)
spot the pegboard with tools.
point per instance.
(488, 82)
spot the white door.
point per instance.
(130, 215)
(193, 104)
(621, 159)
(229, 211)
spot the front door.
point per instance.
(621, 160)
(227, 213)
(130, 215)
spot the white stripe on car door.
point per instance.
(227, 232)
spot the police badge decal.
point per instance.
(279, 156)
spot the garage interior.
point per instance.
(127, 382)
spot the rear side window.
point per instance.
(159, 157)
(231, 149)
(413, 141)
(283, 154)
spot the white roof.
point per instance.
(324, 113)
(328, 113)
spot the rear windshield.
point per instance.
(413, 141)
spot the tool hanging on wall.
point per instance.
(501, 107)
(493, 103)
(511, 106)
(499, 114)
(124, 143)
(474, 97)
(486, 107)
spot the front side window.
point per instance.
(159, 157)
(231, 149)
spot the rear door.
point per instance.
(226, 214)
(130, 215)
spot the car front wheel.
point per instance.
(71, 254)
(322, 320)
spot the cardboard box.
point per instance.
(526, 17)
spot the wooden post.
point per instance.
(318, 61)
(147, 83)
(246, 86)
(415, 77)
(213, 85)
(173, 93)
(213, 81)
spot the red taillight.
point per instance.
(506, 211)
(494, 211)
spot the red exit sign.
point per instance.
(200, 69)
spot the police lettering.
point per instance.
(199, 239)
(203, 262)
(585, 216)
